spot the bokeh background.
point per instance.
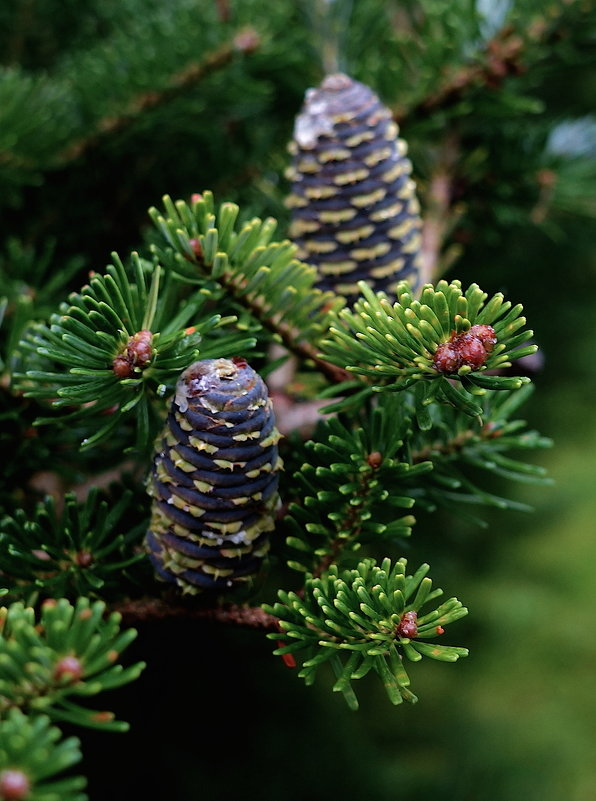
(215, 716)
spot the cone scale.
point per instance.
(354, 210)
(214, 479)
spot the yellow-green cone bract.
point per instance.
(355, 215)
(214, 478)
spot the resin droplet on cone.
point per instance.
(214, 479)
(355, 215)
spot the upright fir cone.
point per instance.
(355, 214)
(214, 479)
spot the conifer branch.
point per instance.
(150, 608)
(445, 338)
(31, 756)
(503, 56)
(352, 486)
(263, 276)
(63, 653)
(244, 41)
(364, 619)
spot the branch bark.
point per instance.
(245, 41)
(142, 610)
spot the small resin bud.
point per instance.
(137, 354)
(197, 248)
(14, 785)
(471, 350)
(408, 626)
(486, 334)
(375, 459)
(122, 367)
(68, 669)
(139, 349)
(84, 558)
(247, 40)
(447, 358)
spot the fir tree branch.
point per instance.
(500, 58)
(245, 41)
(365, 619)
(503, 56)
(353, 520)
(32, 753)
(142, 610)
(289, 336)
(64, 651)
(351, 483)
(261, 275)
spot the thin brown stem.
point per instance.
(287, 333)
(141, 610)
(504, 55)
(245, 41)
(501, 58)
(352, 522)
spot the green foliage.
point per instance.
(350, 490)
(396, 343)
(363, 615)
(30, 288)
(31, 747)
(262, 275)
(50, 660)
(83, 550)
(463, 450)
(97, 327)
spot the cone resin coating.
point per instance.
(214, 479)
(354, 210)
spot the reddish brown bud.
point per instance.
(84, 558)
(122, 367)
(447, 358)
(471, 350)
(440, 630)
(196, 197)
(375, 459)
(247, 40)
(138, 353)
(240, 362)
(197, 248)
(68, 669)
(14, 785)
(408, 626)
(287, 659)
(139, 349)
(486, 334)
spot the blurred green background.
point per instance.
(215, 716)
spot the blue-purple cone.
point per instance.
(355, 214)
(214, 479)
